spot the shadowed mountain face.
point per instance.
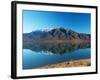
(59, 35)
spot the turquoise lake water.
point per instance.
(36, 56)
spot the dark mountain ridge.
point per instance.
(58, 35)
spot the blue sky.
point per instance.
(40, 20)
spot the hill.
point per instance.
(59, 35)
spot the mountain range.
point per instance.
(56, 35)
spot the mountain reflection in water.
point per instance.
(59, 48)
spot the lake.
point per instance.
(39, 55)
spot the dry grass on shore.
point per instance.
(74, 63)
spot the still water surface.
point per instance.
(35, 56)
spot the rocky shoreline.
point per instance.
(74, 63)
